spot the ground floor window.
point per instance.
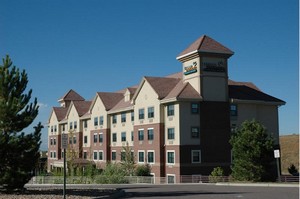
(196, 156)
(170, 179)
(113, 155)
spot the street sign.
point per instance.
(64, 141)
(277, 153)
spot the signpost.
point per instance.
(277, 156)
(64, 145)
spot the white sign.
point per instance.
(277, 153)
(64, 141)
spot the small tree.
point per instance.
(216, 175)
(19, 152)
(143, 170)
(127, 163)
(293, 170)
(252, 151)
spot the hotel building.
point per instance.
(179, 124)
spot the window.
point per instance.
(150, 112)
(71, 125)
(150, 134)
(74, 140)
(195, 108)
(85, 139)
(54, 154)
(85, 124)
(75, 125)
(95, 155)
(150, 156)
(170, 110)
(55, 128)
(70, 140)
(85, 155)
(123, 136)
(170, 157)
(132, 135)
(196, 156)
(51, 141)
(62, 154)
(51, 129)
(100, 155)
(101, 137)
(123, 117)
(141, 156)
(141, 134)
(114, 119)
(95, 138)
(95, 121)
(171, 134)
(233, 110)
(63, 127)
(141, 114)
(54, 141)
(123, 155)
(195, 132)
(114, 137)
(113, 155)
(132, 116)
(171, 179)
(101, 120)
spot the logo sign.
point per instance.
(214, 66)
(190, 69)
(277, 153)
(64, 141)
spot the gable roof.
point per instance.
(71, 95)
(205, 44)
(183, 91)
(60, 112)
(82, 107)
(162, 85)
(109, 100)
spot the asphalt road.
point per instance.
(198, 191)
(208, 191)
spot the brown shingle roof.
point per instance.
(60, 112)
(183, 91)
(244, 92)
(110, 99)
(82, 107)
(71, 95)
(162, 85)
(207, 45)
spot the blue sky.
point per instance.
(98, 45)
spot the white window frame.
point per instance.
(193, 156)
(167, 159)
(138, 156)
(94, 155)
(148, 133)
(100, 151)
(113, 151)
(153, 157)
(173, 176)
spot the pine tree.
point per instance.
(252, 150)
(19, 152)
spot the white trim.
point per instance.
(153, 157)
(187, 54)
(103, 158)
(168, 178)
(199, 155)
(168, 158)
(138, 156)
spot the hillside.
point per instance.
(289, 145)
